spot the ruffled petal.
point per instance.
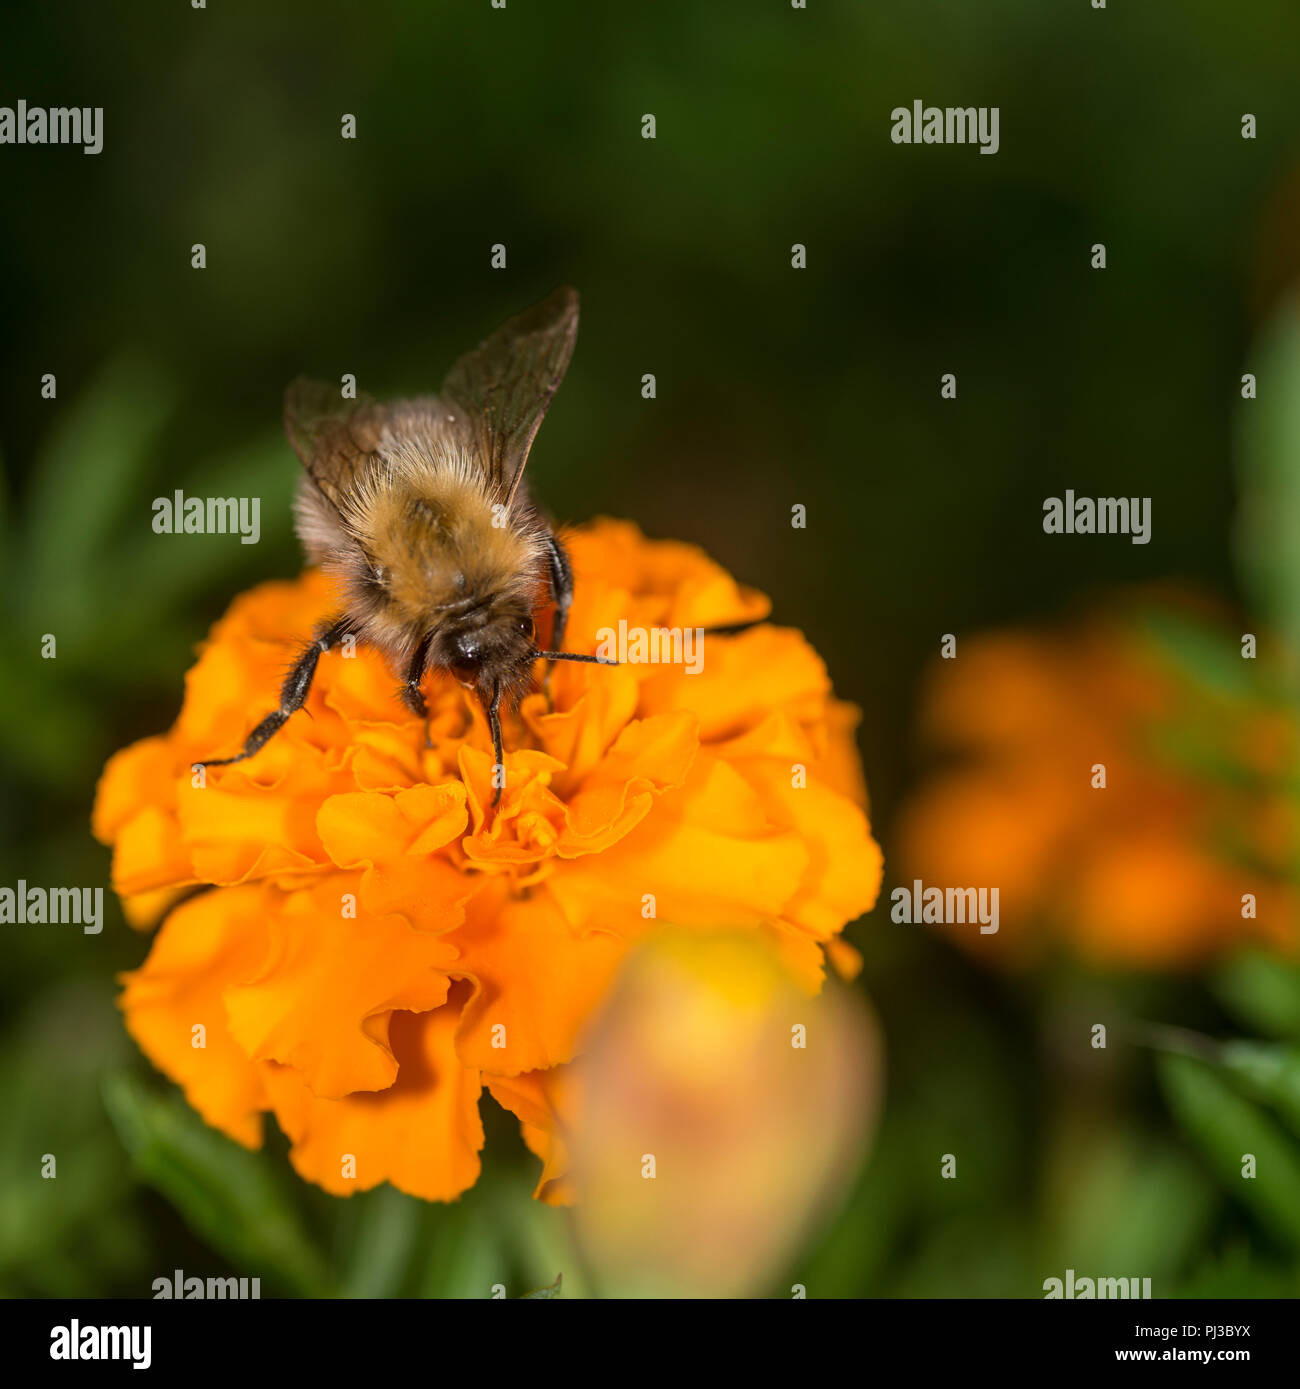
(423, 1134)
(175, 1005)
(333, 977)
(536, 980)
(540, 1100)
(708, 856)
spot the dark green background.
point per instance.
(775, 387)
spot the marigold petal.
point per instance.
(743, 680)
(536, 980)
(423, 1134)
(323, 999)
(523, 827)
(237, 829)
(397, 840)
(149, 855)
(538, 1099)
(694, 589)
(366, 827)
(579, 735)
(845, 865)
(709, 856)
(138, 777)
(649, 757)
(206, 946)
(146, 909)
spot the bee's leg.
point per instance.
(561, 588)
(562, 591)
(411, 694)
(292, 693)
(732, 629)
(498, 756)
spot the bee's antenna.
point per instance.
(572, 656)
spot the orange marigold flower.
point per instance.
(377, 944)
(1148, 871)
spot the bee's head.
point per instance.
(496, 655)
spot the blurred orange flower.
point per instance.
(1149, 871)
(354, 940)
(716, 1116)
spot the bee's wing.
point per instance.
(507, 382)
(335, 439)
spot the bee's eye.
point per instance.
(529, 628)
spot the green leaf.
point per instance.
(85, 475)
(1270, 1073)
(6, 504)
(1226, 1126)
(849, 1254)
(541, 1238)
(170, 570)
(1208, 658)
(465, 1256)
(1239, 1272)
(1267, 539)
(50, 1076)
(1119, 1199)
(388, 1226)
(1263, 991)
(226, 1195)
(552, 1290)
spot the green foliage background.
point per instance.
(774, 387)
